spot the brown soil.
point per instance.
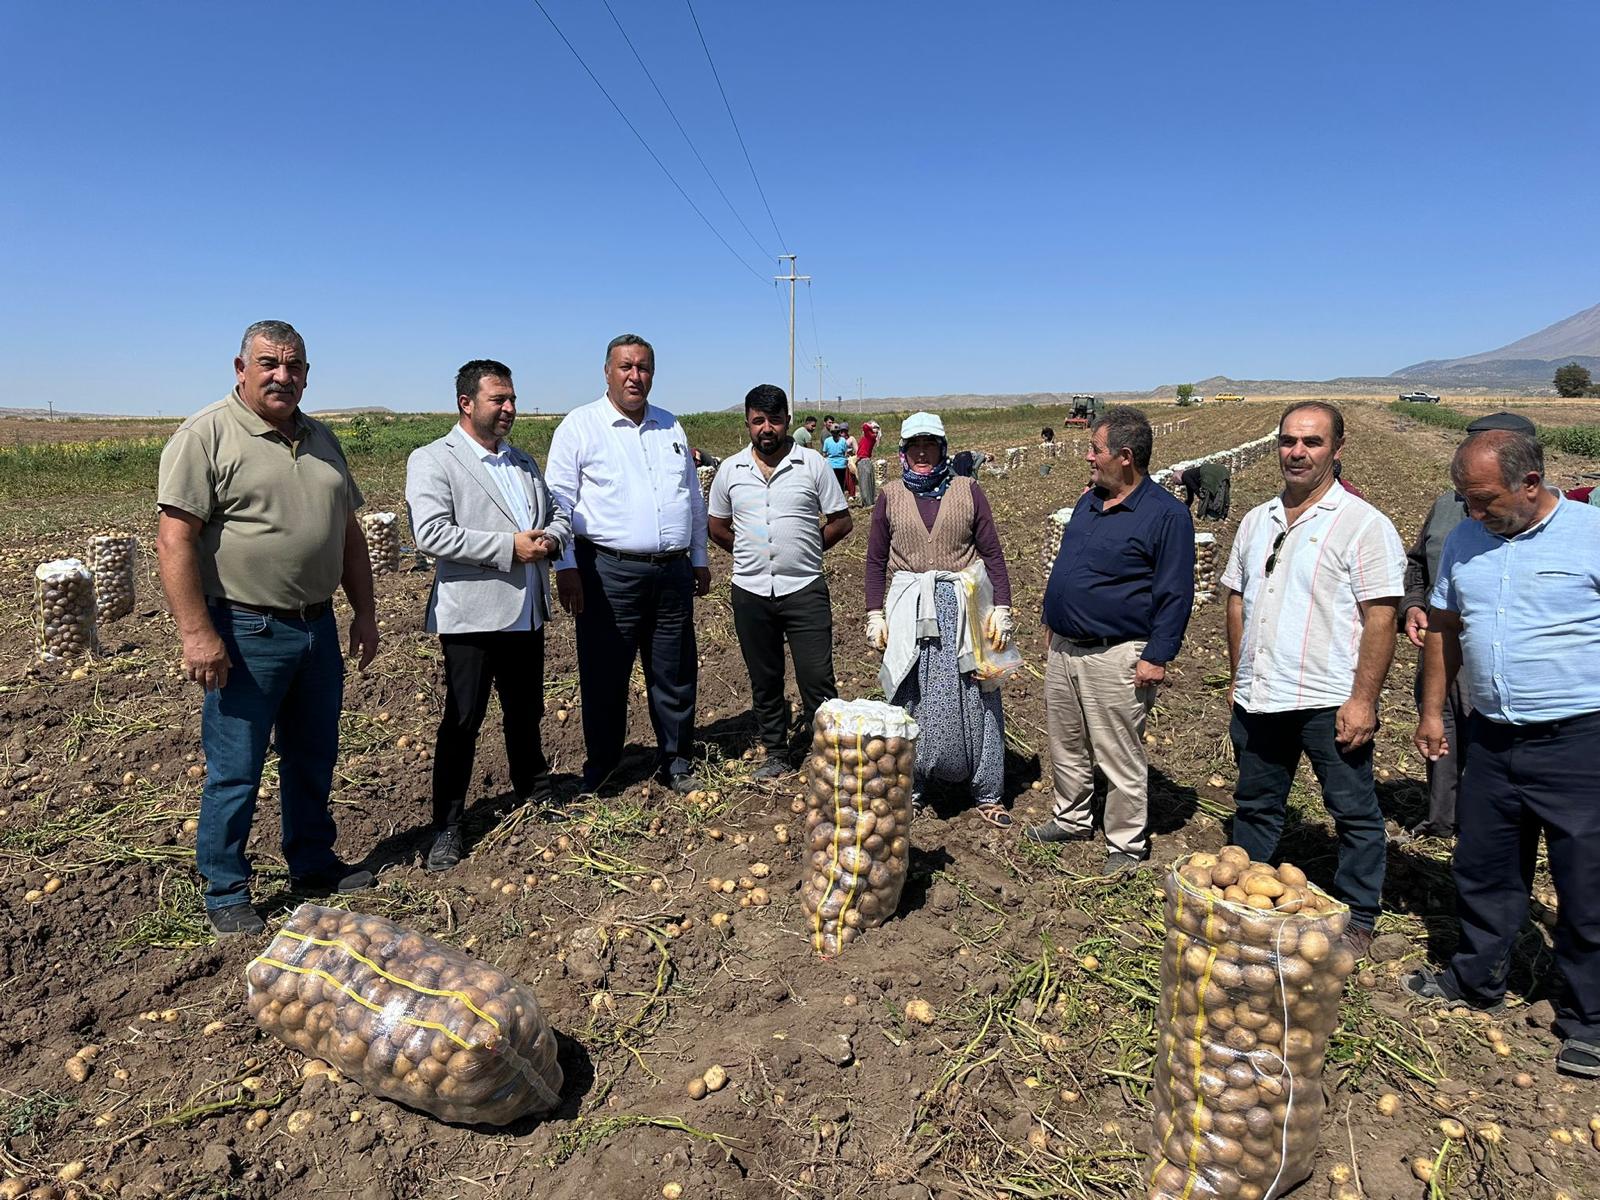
(1031, 1081)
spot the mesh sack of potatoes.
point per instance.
(1251, 978)
(382, 532)
(1055, 526)
(880, 470)
(858, 818)
(111, 562)
(64, 610)
(1205, 567)
(405, 1016)
(705, 475)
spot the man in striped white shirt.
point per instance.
(1312, 585)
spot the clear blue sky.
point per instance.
(1002, 197)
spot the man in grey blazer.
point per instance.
(480, 507)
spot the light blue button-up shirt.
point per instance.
(1530, 615)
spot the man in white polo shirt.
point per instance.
(777, 507)
(1312, 585)
(624, 470)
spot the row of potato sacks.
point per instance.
(858, 812)
(72, 596)
(1251, 978)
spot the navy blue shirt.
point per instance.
(1126, 573)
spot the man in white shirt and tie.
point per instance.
(482, 509)
(625, 471)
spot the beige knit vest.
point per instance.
(948, 546)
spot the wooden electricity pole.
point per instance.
(792, 279)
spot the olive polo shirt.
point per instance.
(275, 510)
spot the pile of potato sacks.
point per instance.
(64, 610)
(1251, 978)
(405, 1016)
(382, 531)
(111, 562)
(858, 818)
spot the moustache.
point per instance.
(279, 389)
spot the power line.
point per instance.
(759, 189)
(686, 197)
(687, 139)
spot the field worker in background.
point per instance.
(837, 448)
(1210, 483)
(1312, 586)
(1516, 610)
(807, 432)
(622, 468)
(926, 526)
(865, 445)
(1047, 442)
(1115, 610)
(1422, 571)
(777, 507)
(257, 529)
(481, 508)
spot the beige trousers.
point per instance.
(1095, 718)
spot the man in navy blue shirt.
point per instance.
(1117, 605)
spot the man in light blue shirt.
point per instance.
(625, 471)
(1516, 611)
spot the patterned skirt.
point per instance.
(962, 738)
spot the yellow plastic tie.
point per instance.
(392, 978)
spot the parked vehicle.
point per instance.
(1084, 409)
(1418, 398)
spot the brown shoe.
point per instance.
(1359, 939)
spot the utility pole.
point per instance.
(820, 401)
(792, 279)
(859, 400)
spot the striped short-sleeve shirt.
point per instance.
(1302, 624)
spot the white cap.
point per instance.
(922, 424)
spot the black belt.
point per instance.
(1099, 643)
(665, 556)
(308, 612)
(1579, 724)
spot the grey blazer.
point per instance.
(459, 516)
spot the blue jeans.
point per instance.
(1268, 747)
(285, 677)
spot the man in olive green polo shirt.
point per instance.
(257, 528)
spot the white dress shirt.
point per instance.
(628, 487)
(507, 478)
(1302, 623)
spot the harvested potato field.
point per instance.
(997, 1037)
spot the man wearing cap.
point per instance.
(1422, 570)
(776, 507)
(257, 529)
(1516, 611)
(480, 506)
(623, 469)
(1116, 608)
(1312, 590)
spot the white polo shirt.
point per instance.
(1302, 624)
(628, 487)
(777, 541)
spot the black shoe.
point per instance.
(773, 768)
(446, 850)
(1120, 862)
(1437, 988)
(236, 919)
(1052, 833)
(684, 784)
(340, 877)
(543, 799)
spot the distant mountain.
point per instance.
(1528, 362)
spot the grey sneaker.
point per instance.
(236, 919)
(1050, 832)
(1119, 862)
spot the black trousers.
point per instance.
(644, 611)
(513, 664)
(763, 623)
(1517, 781)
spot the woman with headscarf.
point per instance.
(927, 526)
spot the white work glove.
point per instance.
(998, 627)
(877, 630)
